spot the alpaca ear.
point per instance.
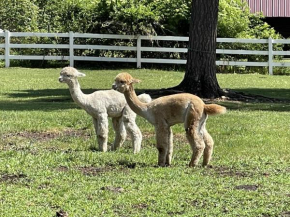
(81, 74)
(134, 81)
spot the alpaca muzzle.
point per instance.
(60, 79)
(114, 86)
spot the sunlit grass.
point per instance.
(48, 160)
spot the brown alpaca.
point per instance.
(167, 111)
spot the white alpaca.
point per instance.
(103, 104)
(167, 111)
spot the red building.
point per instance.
(277, 13)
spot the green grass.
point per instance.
(48, 162)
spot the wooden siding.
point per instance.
(270, 8)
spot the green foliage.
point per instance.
(149, 17)
(236, 21)
(130, 17)
(232, 18)
(18, 15)
(173, 16)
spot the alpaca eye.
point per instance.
(122, 82)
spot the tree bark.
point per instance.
(200, 76)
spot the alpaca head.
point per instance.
(123, 82)
(68, 74)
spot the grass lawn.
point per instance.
(49, 163)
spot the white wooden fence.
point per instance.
(7, 45)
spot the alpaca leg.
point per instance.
(193, 124)
(120, 132)
(197, 145)
(101, 128)
(208, 147)
(170, 148)
(129, 120)
(162, 139)
(193, 128)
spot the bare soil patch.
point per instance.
(140, 206)
(62, 169)
(177, 213)
(46, 136)
(285, 214)
(113, 189)
(130, 165)
(61, 213)
(12, 178)
(247, 187)
(226, 171)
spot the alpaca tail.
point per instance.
(214, 109)
(145, 98)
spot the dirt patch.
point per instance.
(61, 213)
(175, 213)
(147, 135)
(62, 169)
(226, 171)
(140, 206)
(12, 178)
(266, 215)
(125, 164)
(247, 187)
(113, 189)
(198, 203)
(130, 165)
(285, 214)
(46, 136)
(93, 171)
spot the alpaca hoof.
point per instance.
(206, 165)
(161, 164)
(103, 149)
(192, 165)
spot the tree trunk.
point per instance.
(200, 76)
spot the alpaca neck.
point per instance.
(135, 104)
(76, 93)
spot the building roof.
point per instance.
(270, 8)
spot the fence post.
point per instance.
(7, 48)
(71, 48)
(270, 57)
(139, 51)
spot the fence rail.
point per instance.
(71, 46)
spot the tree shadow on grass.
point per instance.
(271, 94)
(56, 99)
(44, 93)
(265, 99)
(44, 99)
(268, 99)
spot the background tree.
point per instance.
(200, 76)
(18, 16)
(131, 17)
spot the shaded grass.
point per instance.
(48, 159)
